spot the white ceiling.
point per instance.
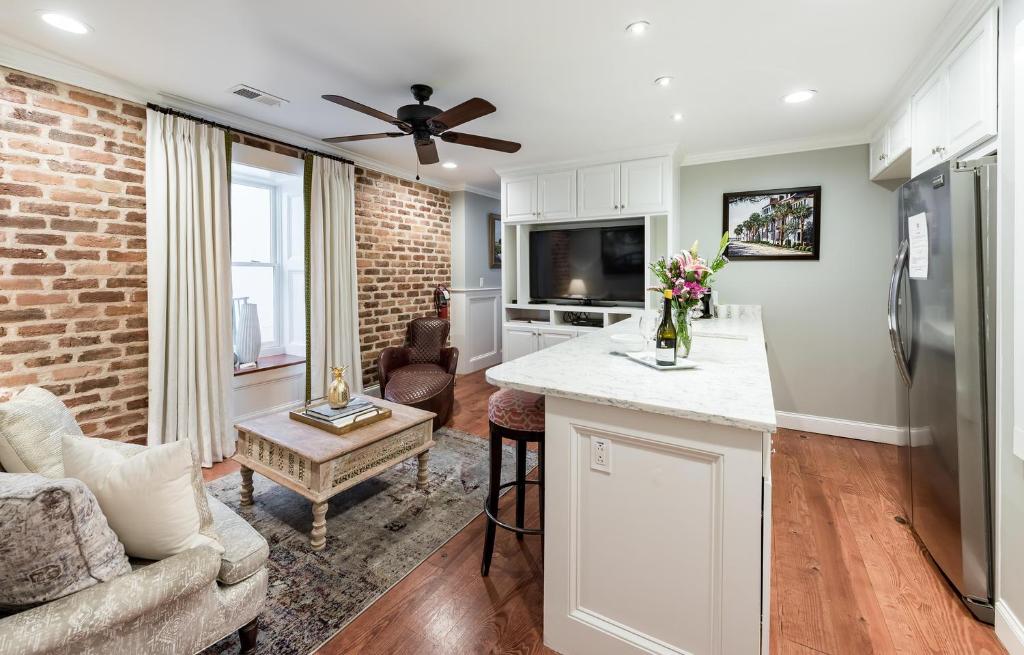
(567, 80)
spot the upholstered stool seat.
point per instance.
(516, 410)
(518, 416)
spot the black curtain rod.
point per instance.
(232, 130)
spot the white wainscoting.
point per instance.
(837, 427)
(476, 327)
(265, 392)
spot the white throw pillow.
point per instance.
(154, 500)
(31, 425)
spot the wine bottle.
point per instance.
(665, 343)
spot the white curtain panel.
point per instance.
(333, 313)
(189, 269)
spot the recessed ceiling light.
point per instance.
(64, 22)
(450, 164)
(800, 96)
(638, 27)
(677, 117)
(664, 80)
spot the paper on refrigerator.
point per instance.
(917, 239)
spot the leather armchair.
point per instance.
(421, 373)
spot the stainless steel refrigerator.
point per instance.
(941, 322)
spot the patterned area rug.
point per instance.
(377, 533)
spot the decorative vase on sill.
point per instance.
(247, 331)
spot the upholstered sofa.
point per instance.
(421, 373)
(178, 605)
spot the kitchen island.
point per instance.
(658, 492)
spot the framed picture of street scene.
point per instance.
(773, 224)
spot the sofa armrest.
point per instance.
(450, 359)
(105, 606)
(390, 360)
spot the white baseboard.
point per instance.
(373, 390)
(1009, 629)
(837, 427)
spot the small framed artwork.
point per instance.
(773, 224)
(494, 239)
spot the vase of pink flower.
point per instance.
(687, 277)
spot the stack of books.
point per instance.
(357, 413)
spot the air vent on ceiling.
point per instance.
(254, 94)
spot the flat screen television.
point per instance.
(599, 264)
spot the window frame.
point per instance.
(276, 263)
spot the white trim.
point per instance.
(1009, 629)
(776, 148)
(474, 289)
(664, 150)
(838, 427)
(25, 57)
(493, 194)
(284, 407)
(373, 391)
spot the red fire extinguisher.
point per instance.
(442, 297)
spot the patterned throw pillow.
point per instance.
(54, 540)
(31, 425)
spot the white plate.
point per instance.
(647, 358)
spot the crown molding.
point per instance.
(480, 191)
(28, 58)
(958, 20)
(663, 150)
(775, 148)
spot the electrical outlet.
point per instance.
(600, 454)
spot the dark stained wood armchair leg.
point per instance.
(248, 634)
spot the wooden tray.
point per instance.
(327, 426)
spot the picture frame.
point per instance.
(773, 224)
(494, 240)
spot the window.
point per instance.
(268, 255)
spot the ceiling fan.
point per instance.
(424, 122)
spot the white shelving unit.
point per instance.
(642, 188)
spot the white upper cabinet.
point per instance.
(519, 199)
(899, 132)
(956, 109)
(643, 186)
(971, 105)
(877, 154)
(557, 194)
(598, 190)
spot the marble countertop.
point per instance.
(730, 386)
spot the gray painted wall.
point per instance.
(1010, 473)
(825, 321)
(470, 259)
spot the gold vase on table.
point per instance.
(338, 394)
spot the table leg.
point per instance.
(318, 536)
(245, 496)
(421, 474)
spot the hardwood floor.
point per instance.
(848, 578)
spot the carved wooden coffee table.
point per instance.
(317, 464)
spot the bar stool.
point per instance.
(519, 416)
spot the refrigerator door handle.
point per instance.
(895, 337)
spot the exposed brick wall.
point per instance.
(73, 250)
(403, 251)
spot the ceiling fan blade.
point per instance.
(459, 114)
(464, 139)
(363, 137)
(369, 111)
(427, 152)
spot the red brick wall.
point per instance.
(72, 250)
(403, 251)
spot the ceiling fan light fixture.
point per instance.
(803, 95)
(638, 27)
(664, 80)
(64, 22)
(677, 117)
(449, 165)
